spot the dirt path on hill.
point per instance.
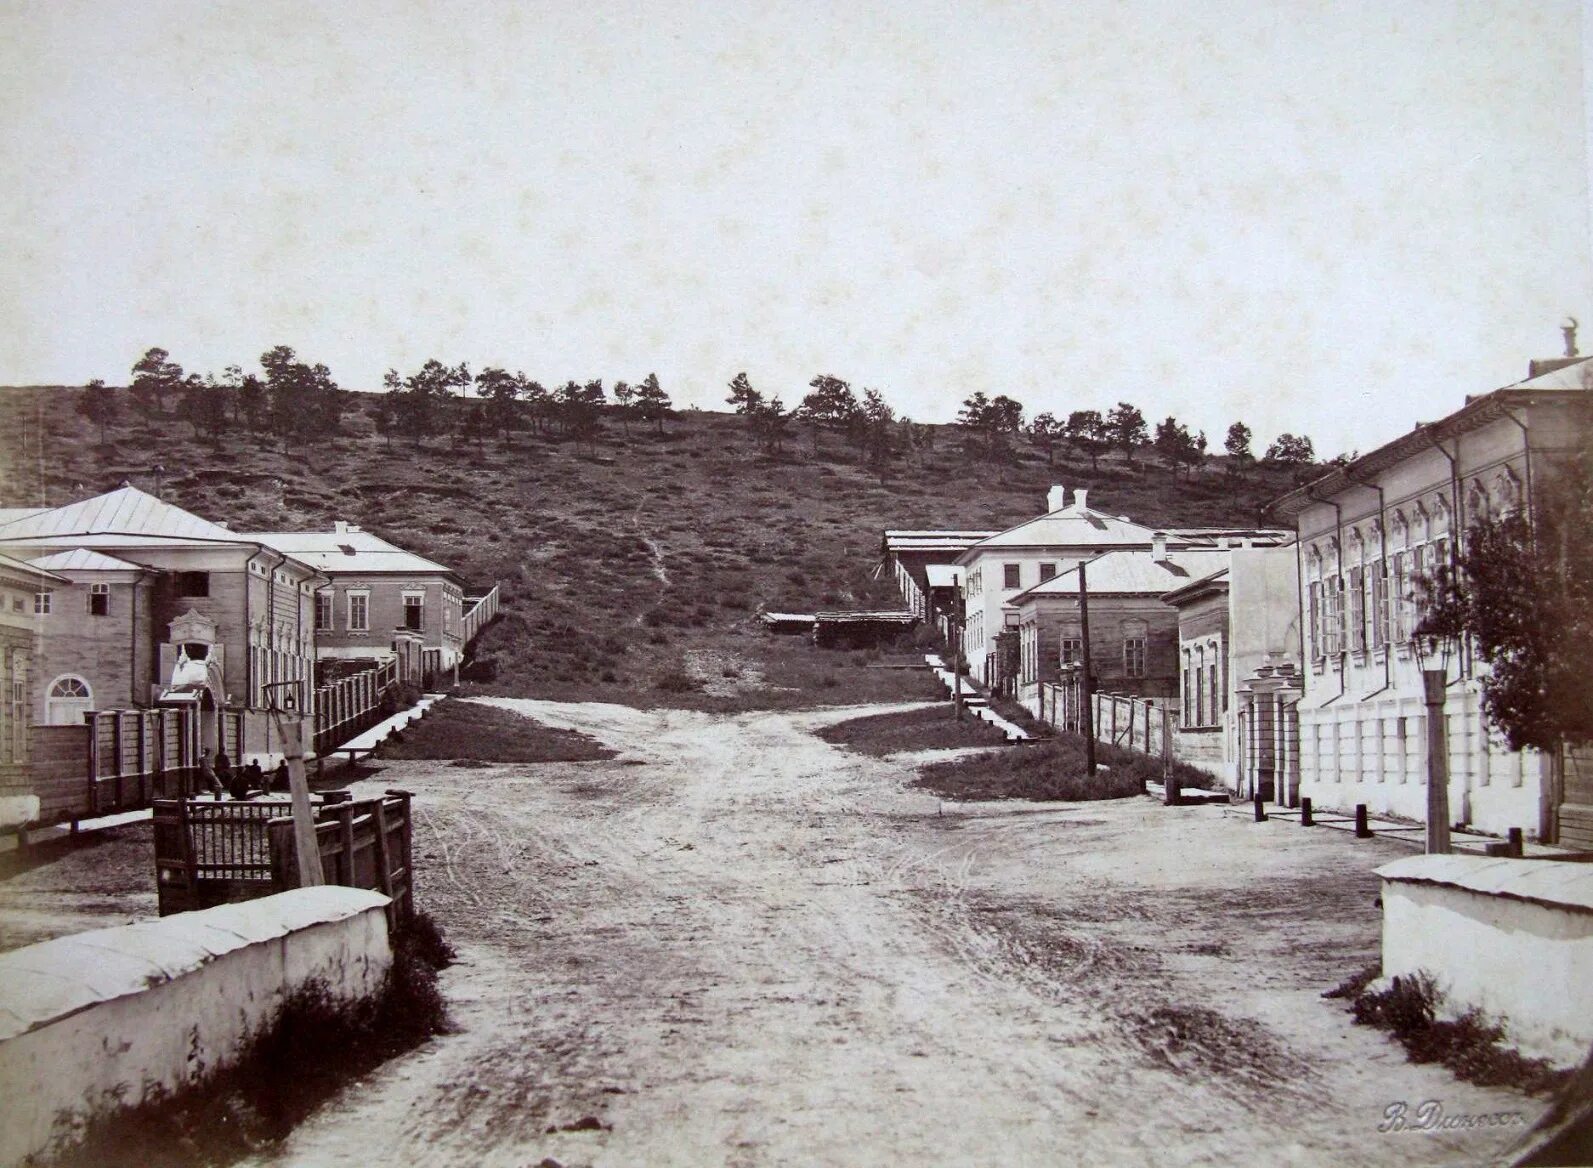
(739, 945)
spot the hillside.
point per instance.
(635, 567)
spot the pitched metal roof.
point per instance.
(1212, 581)
(1071, 527)
(12, 514)
(350, 550)
(1557, 387)
(126, 511)
(943, 575)
(1131, 573)
(933, 541)
(83, 559)
(29, 571)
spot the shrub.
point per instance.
(675, 683)
(1471, 1045)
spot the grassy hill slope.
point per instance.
(635, 570)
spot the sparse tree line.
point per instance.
(288, 397)
(294, 400)
(994, 425)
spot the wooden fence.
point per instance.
(209, 853)
(482, 610)
(1130, 722)
(352, 704)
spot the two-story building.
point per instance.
(997, 569)
(20, 582)
(154, 605)
(1368, 531)
(373, 589)
(1134, 646)
(1231, 623)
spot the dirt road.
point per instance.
(738, 945)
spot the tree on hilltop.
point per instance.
(1237, 446)
(879, 424)
(624, 403)
(98, 406)
(155, 379)
(743, 397)
(1087, 433)
(831, 406)
(1291, 450)
(1177, 447)
(305, 402)
(1126, 427)
(501, 390)
(418, 399)
(1046, 431)
(652, 403)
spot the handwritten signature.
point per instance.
(1430, 1116)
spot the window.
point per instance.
(1314, 617)
(1134, 656)
(99, 600)
(193, 583)
(1214, 705)
(1072, 650)
(415, 611)
(1357, 639)
(1047, 572)
(359, 612)
(1011, 574)
(1380, 613)
(324, 605)
(17, 604)
(42, 602)
(67, 700)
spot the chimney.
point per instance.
(339, 527)
(1079, 497)
(1159, 547)
(1056, 499)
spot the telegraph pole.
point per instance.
(1086, 700)
(958, 622)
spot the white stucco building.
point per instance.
(1367, 530)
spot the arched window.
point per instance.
(1476, 500)
(1506, 492)
(66, 700)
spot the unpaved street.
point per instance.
(738, 945)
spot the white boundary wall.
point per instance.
(1514, 937)
(115, 1014)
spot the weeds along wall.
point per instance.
(1512, 937)
(107, 1019)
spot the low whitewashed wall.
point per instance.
(111, 1015)
(1514, 937)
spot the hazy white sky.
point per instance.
(1321, 217)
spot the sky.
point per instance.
(1335, 218)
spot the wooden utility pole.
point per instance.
(1087, 685)
(1434, 682)
(306, 851)
(958, 623)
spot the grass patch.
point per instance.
(1053, 769)
(928, 729)
(1470, 1045)
(313, 1048)
(470, 730)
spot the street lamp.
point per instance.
(1432, 654)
